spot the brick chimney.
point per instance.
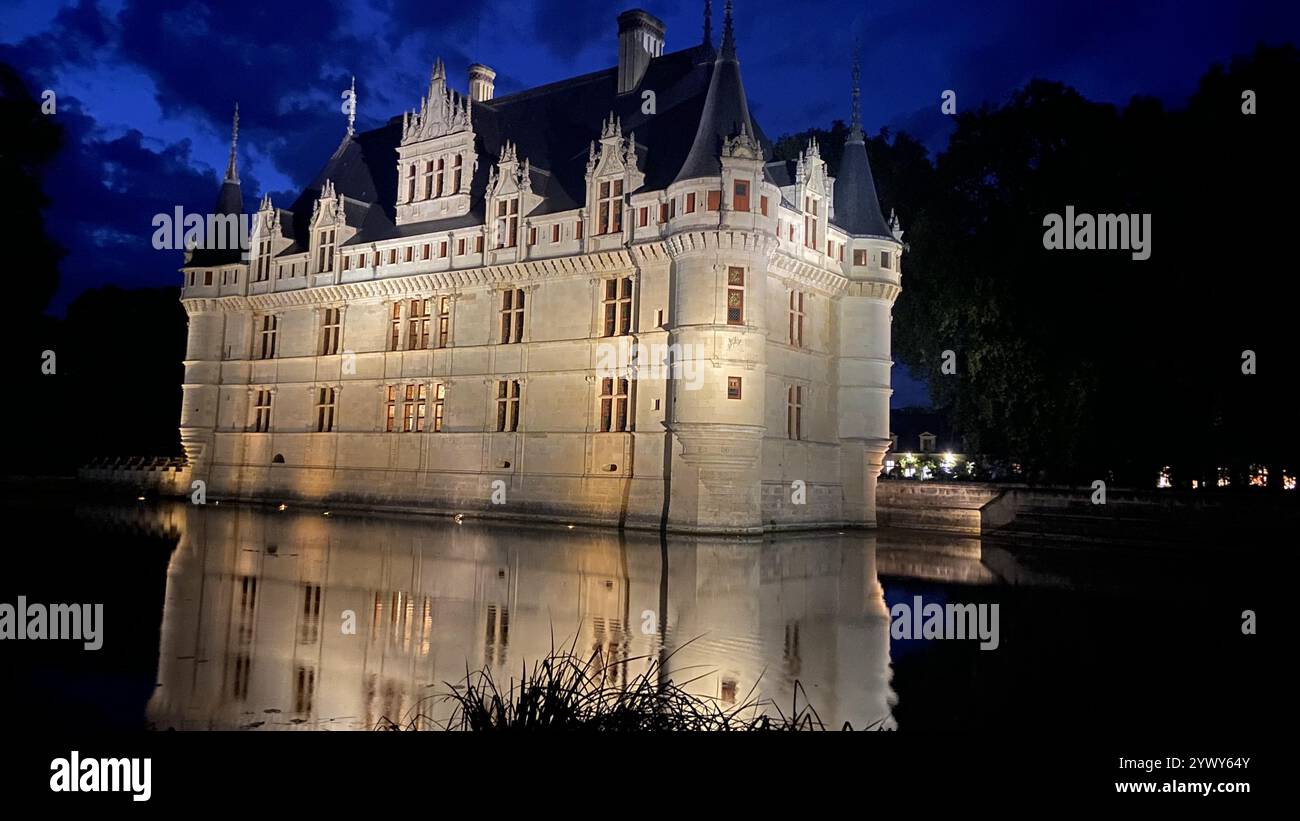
(481, 80)
(640, 39)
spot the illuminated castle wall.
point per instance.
(458, 297)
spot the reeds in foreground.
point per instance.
(565, 691)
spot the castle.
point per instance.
(593, 301)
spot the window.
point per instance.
(555, 232)
(478, 244)
(439, 402)
(512, 316)
(347, 262)
(690, 203)
(714, 202)
(796, 318)
(437, 188)
(266, 348)
(262, 411)
(927, 442)
(428, 179)
(455, 176)
(417, 324)
(740, 195)
(532, 236)
(663, 212)
(735, 296)
(325, 402)
(794, 412)
(392, 256)
(460, 247)
(609, 208)
(733, 387)
(577, 230)
(410, 253)
(830, 252)
(444, 320)
(885, 260)
(810, 222)
(413, 403)
(617, 305)
(390, 403)
(410, 183)
(330, 330)
(507, 222)
(859, 256)
(643, 217)
(442, 250)
(395, 328)
(262, 271)
(614, 405)
(426, 251)
(762, 205)
(507, 405)
(207, 277)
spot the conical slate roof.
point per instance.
(230, 200)
(857, 209)
(725, 113)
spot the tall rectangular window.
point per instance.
(810, 222)
(331, 328)
(428, 179)
(617, 305)
(326, 399)
(690, 203)
(325, 260)
(439, 403)
(417, 324)
(455, 175)
(663, 212)
(555, 232)
(609, 208)
(437, 189)
(886, 260)
(444, 320)
(735, 295)
(414, 398)
(740, 195)
(507, 405)
(266, 336)
(410, 183)
(262, 411)
(508, 222)
(714, 201)
(395, 328)
(512, 316)
(762, 206)
(794, 412)
(796, 318)
(390, 409)
(733, 387)
(614, 396)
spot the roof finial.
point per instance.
(708, 23)
(728, 35)
(439, 70)
(352, 107)
(855, 128)
(232, 166)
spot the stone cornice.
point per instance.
(602, 262)
(720, 239)
(874, 289)
(806, 273)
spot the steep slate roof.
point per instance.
(699, 100)
(230, 200)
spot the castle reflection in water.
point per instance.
(253, 637)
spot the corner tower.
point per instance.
(873, 268)
(719, 242)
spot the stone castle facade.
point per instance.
(597, 300)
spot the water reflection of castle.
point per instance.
(252, 630)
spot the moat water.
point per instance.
(236, 618)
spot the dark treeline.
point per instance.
(1091, 364)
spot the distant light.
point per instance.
(570, 527)
(460, 518)
(326, 513)
(139, 498)
(283, 506)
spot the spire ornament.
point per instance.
(232, 165)
(728, 34)
(855, 128)
(352, 107)
(708, 23)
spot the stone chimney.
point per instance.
(640, 39)
(481, 80)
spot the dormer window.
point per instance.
(927, 442)
(810, 222)
(740, 196)
(507, 222)
(325, 255)
(609, 209)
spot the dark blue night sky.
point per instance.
(145, 87)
